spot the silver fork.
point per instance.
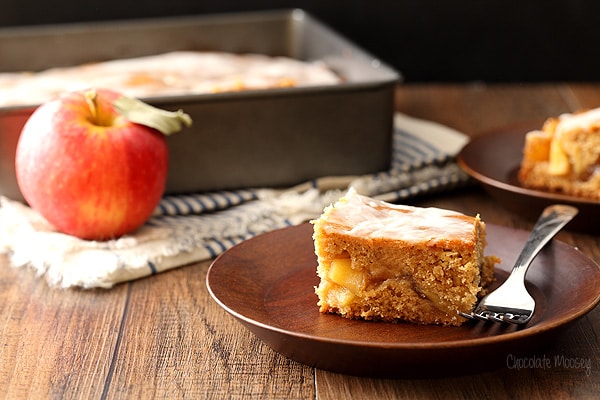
(511, 302)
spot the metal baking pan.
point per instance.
(268, 138)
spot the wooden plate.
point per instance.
(267, 283)
(493, 159)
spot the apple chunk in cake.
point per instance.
(381, 261)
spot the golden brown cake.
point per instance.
(380, 261)
(564, 156)
(167, 74)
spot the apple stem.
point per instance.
(90, 98)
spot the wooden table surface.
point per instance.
(164, 336)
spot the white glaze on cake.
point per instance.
(584, 120)
(360, 216)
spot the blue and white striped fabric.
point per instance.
(190, 228)
(203, 202)
(411, 152)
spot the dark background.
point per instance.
(426, 40)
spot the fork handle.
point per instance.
(550, 222)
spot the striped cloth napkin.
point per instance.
(190, 228)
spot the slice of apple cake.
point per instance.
(381, 261)
(564, 156)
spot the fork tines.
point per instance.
(497, 317)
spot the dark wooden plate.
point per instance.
(493, 159)
(267, 283)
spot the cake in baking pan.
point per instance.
(167, 74)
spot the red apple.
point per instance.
(89, 170)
